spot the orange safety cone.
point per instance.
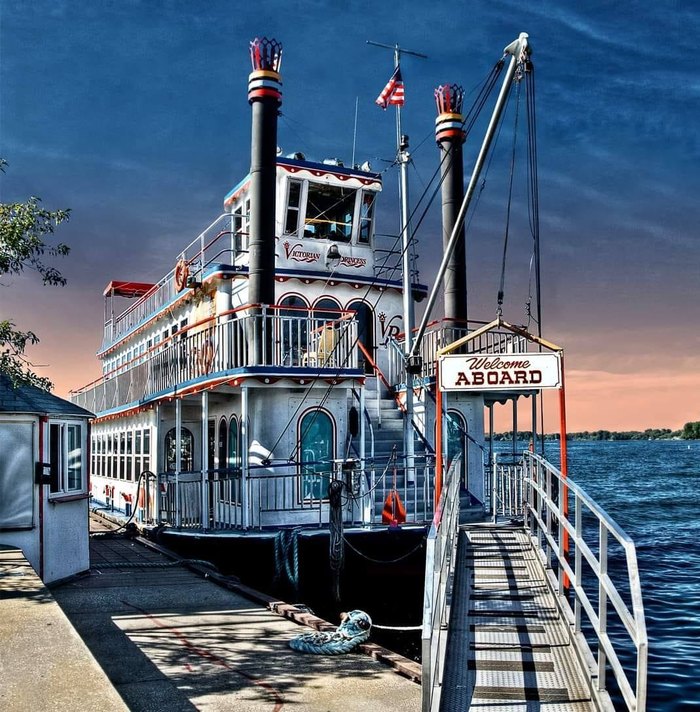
(394, 513)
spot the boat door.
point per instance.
(365, 332)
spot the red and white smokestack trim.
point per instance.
(264, 83)
(265, 80)
(450, 122)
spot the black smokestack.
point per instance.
(265, 98)
(449, 134)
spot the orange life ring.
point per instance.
(182, 272)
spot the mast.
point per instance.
(403, 158)
(518, 49)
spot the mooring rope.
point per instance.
(336, 554)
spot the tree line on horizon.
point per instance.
(690, 431)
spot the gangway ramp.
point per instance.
(508, 648)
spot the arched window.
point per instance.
(222, 445)
(234, 455)
(186, 450)
(294, 327)
(317, 451)
(457, 442)
(327, 309)
(365, 331)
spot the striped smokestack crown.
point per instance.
(265, 80)
(450, 122)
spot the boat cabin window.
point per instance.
(366, 213)
(329, 212)
(291, 224)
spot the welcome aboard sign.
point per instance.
(495, 372)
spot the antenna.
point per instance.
(398, 51)
(354, 132)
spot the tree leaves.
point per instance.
(24, 231)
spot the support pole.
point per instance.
(204, 487)
(563, 465)
(245, 449)
(408, 310)
(178, 458)
(438, 437)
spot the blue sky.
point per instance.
(134, 115)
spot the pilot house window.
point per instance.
(291, 225)
(329, 212)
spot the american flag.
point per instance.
(392, 94)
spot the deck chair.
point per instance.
(325, 345)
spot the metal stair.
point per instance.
(387, 422)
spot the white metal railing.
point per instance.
(507, 487)
(439, 566)
(282, 495)
(442, 334)
(219, 243)
(243, 338)
(549, 497)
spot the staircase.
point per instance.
(387, 424)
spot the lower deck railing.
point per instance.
(286, 496)
(250, 337)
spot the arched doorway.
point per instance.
(294, 329)
(365, 332)
(316, 438)
(458, 444)
(186, 450)
(222, 445)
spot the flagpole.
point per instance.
(403, 157)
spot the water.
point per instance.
(652, 490)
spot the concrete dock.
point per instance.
(165, 637)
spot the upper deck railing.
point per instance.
(440, 334)
(220, 243)
(243, 338)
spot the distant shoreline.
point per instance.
(604, 435)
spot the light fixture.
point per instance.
(333, 256)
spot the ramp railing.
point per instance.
(581, 550)
(440, 553)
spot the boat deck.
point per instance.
(508, 650)
(169, 638)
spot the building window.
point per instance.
(317, 448)
(66, 455)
